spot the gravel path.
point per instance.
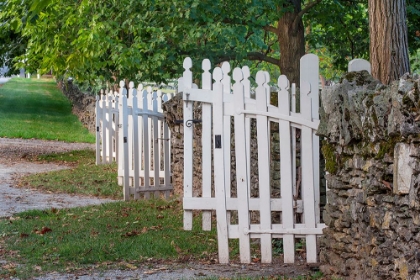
(13, 163)
(14, 155)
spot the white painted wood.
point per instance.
(308, 188)
(155, 143)
(226, 136)
(124, 113)
(263, 135)
(109, 134)
(188, 140)
(242, 182)
(98, 125)
(219, 168)
(135, 139)
(206, 143)
(286, 172)
(359, 64)
(310, 73)
(104, 125)
(146, 143)
(116, 108)
(201, 203)
(247, 94)
(242, 108)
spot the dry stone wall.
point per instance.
(371, 145)
(83, 104)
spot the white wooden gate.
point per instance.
(107, 119)
(221, 101)
(131, 130)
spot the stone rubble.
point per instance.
(371, 144)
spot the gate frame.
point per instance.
(217, 99)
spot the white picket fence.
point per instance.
(220, 102)
(131, 130)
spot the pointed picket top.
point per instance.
(206, 65)
(122, 84)
(260, 78)
(217, 74)
(187, 75)
(283, 94)
(237, 75)
(133, 90)
(140, 87)
(149, 97)
(226, 81)
(206, 76)
(246, 82)
(260, 90)
(305, 100)
(267, 87)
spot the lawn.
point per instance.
(31, 108)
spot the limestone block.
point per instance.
(402, 170)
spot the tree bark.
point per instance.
(291, 38)
(388, 39)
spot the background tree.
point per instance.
(89, 39)
(338, 32)
(147, 40)
(389, 55)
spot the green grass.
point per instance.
(113, 235)
(84, 178)
(120, 232)
(31, 108)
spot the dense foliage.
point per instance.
(147, 40)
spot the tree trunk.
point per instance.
(291, 38)
(388, 39)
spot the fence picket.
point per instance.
(98, 112)
(286, 173)
(263, 90)
(188, 140)
(221, 190)
(206, 143)
(125, 166)
(135, 139)
(241, 168)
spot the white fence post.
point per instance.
(125, 160)
(98, 124)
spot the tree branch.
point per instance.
(251, 56)
(299, 16)
(271, 29)
(262, 57)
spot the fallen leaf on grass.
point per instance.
(43, 231)
(131, 233)
(176, 247)
(24, 235)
